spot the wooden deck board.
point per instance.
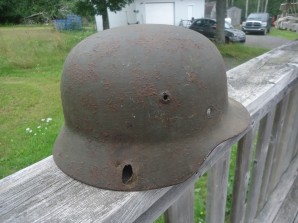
(296, 219)
(279, 195)
(289, 209)
(42, 193)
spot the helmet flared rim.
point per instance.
(102, 164)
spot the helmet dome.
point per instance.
(143, 105)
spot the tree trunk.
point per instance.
(246, 9)
(105, 20)
(266, 5)
(220, 19)
(262, 6)
(258, 7)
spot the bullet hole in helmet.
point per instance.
(165, 97)
(127, 174)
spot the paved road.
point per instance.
(269, 42)
(255, 40)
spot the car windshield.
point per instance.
(259, 17)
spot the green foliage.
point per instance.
(9, 12)
(272, 8)
(31, 116)
(32, 11)
(240, 52)
(284, 34)
(99, 7)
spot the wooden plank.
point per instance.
(275, 136)
(279, 152)
(42, 192)
(289, 208)
(254, 84)
(258, 167)
(244, 153)
(170, 197)
(291, 129)
(277, 197)
(56, 197)
(296, 151)
(183, 209)
(217, 190)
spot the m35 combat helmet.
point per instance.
(144, 105)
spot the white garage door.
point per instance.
(159, 13)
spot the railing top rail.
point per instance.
(41, 192)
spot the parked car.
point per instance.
(207, 27)
(185, 23)
(257, 22)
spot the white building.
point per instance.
(155, 12)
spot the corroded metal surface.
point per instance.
(144, 105)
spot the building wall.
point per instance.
(135, 12)
(121, 18)
(182, 9)
(235, 14)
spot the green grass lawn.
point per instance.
(31, 61)
(283, 34)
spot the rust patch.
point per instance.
(192, 78)
(90, 103)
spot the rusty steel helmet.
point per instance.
(144, 105)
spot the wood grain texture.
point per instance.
(274, 140)
(183, 209)
(217, 188)
(279, 152)
(291, 131)
(42, 193)
(245, 149)
(289, 208)
(50, 195)
(171, 196)
(284, 148)
(296, 150)
(277, 197)
(258, 167)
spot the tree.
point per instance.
(8, 12)
(220, 20)
(36, 11)
(252, 6)
(100, 7)
(42, 10)
(246, 8)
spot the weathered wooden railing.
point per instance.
(267, 86)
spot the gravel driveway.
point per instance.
(255, 40)
(269, 42)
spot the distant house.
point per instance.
(233, 13)
(210, 10)
(155, 12)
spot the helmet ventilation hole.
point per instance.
(165, 97)
(210, 111)
(127, 174)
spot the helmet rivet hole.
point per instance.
(127, 174)
(209, 112)
(165, 97)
